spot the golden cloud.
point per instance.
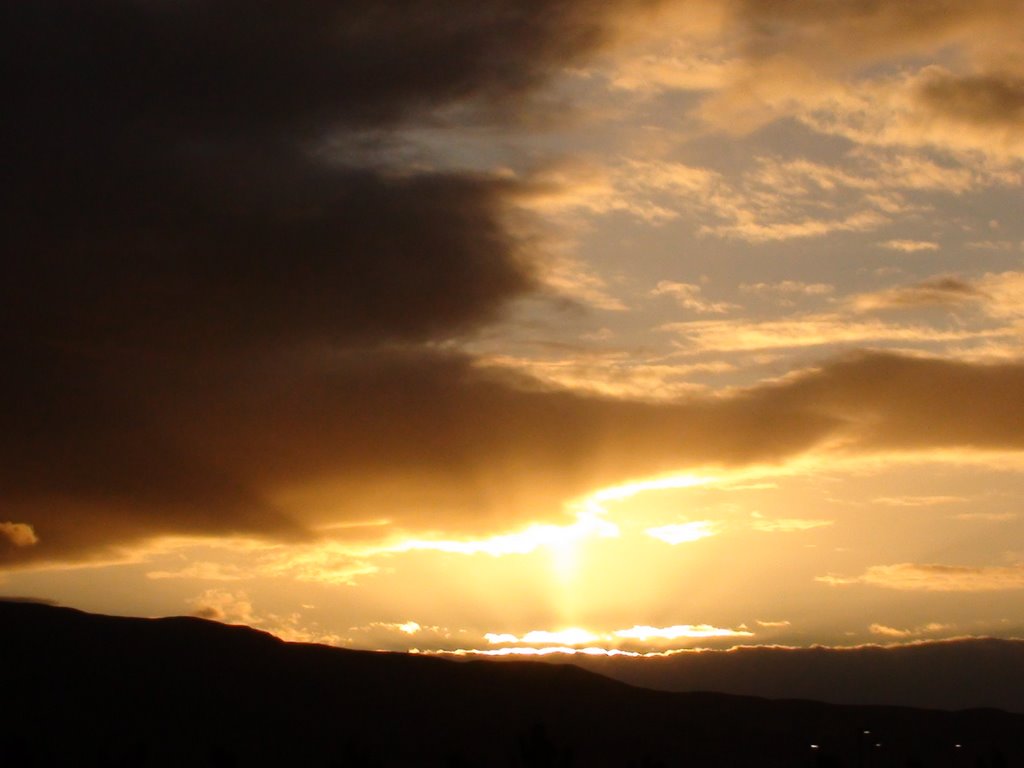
(926, 629)
(18, 534)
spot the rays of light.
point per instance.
(557, 537)
(591, 521)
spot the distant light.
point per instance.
(815, 746)
(866, 732)
(878, 744)
(957, 746)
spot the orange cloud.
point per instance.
(811, 61)
(927, 629)
(237, 608)
(688, 296)
(18, 534)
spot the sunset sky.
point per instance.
(497, 325)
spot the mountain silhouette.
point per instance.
(941, 674)
(89, 690)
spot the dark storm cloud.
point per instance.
(170, 212)
(433, 442)
(280, 253)
(257, 67)
(163, 188)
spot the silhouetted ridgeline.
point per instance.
(948, 674)
(80, 689)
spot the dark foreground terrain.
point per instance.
(80, 689)
(942, 674)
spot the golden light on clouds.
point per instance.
(541, 637)
(409, 627)
(899, 634)
(18, 534)
(545, 651)
(660, 317)
(621, 641)
(591, 521)
(556, 538)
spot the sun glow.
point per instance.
(566, 545)
(693, 631)
(560, 539)
(583, 639)
(591, 521)
(546, 651)
(572, 636)
(682, 533)
(659, 483)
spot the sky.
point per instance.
(517, 326)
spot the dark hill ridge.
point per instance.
(943, 674)
(81, 689)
